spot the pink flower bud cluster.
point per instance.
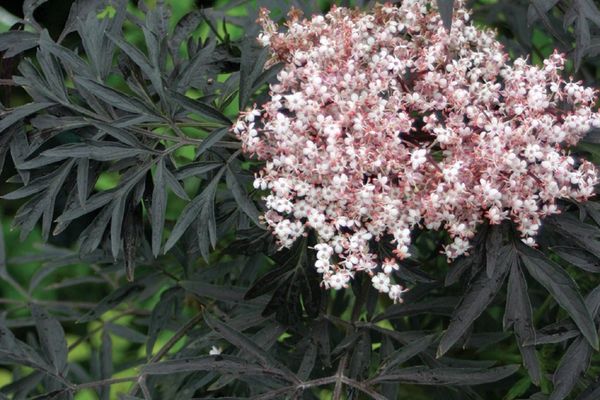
(383, 122)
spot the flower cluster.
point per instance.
(383, 122)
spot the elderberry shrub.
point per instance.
(189, 182)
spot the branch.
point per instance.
(164, 350)
(104, 382)
(363, 388)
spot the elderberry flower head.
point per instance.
(384, 121)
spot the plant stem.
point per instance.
(175, 338)
(165, 349)
(104, 382)
(184, 140)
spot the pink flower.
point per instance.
(383, 122)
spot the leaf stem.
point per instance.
(104, 382)
(185, 140)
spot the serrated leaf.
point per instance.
(159, 206)
(407, 352)
(446, 8)
(35, 186)
(83, 173)
(241, 196)
(116, 224)
(53, 74)
(590, 10)
(583, 39)
(92, 235)
(106, 364)
(120, 134)
(581, 234)
(389, 390)
(42, 204)
(16, 42)
(167, 309)
(557, 332)
(592, 301)
(309, 358)
(518, 314)
(29, 6)
(151, 71)
(210, 141)
(125, 332)
(200, 108)
(579, 258)
(202, 206)
(19, 149)
(267, 75)
(447, 376)
(574, 362)
(79, 10)
(268, 281)
(538, 9)
(216, 292)
(100, 151)
(562, 288)
(592, 50)
(252, 63)
(493, 243)
(464, 264)
(20, 113)
(435, 306)
(70, 282)
(196, 170)
(184, 27)
(133, 230)
(174, 185)
(71, 61)
(25, 385)
(102, 198)
(52, 338)
(15, 351)
(52, 122)
(112, 300)
(38, 162)
(111, 96)
(480, 293)
(99, 50)
(199, 61)
(361, 356)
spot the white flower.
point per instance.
(381, 282)
(215, 350)
(396, 292)
(295, 101)
(418, 158)
(390, 266)
(338, 280)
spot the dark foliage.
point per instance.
(173, 259)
